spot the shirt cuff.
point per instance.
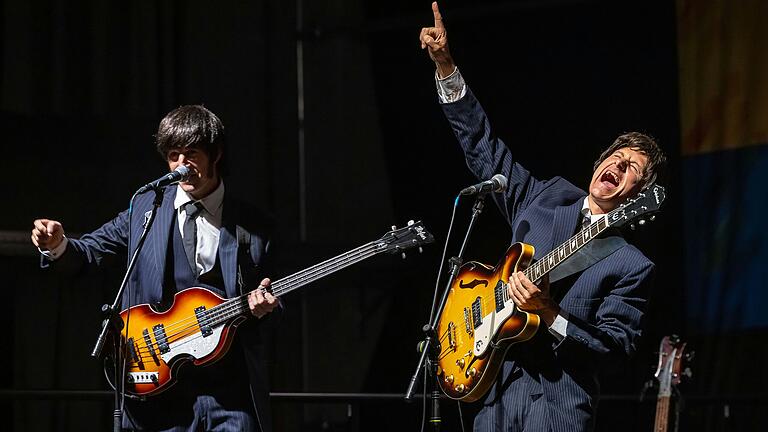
(559, 326)
(451, 88)
(55, 253)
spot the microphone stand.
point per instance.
(112, 320)
(430, 348)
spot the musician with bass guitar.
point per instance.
(543, 377)
(200, 237)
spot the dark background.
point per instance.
(333, 127)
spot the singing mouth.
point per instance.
(611, 178)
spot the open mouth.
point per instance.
(611, 178)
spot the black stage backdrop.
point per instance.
(333, 127)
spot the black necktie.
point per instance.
(586, 220)
(190, 232)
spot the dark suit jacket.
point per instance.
(146, 281)
(605, 302)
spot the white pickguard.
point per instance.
(196, 345)
(490, 326)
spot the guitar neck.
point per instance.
(662, 414)
(238, 306)
(555, 257)
(332, 265)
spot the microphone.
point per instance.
(180, 174)
(497, 184)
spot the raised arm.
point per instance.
(435, 40)
(485, 153)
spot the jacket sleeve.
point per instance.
(110, 239)
(487, 155)
(616, 328)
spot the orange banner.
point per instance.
(723, 73)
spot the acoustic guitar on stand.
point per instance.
(199, 327)
(480, 321)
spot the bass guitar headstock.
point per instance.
(670, 369)
(407, 237)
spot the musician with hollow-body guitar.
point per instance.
(588, 319)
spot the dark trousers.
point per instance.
(521, 407)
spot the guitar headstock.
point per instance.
(670, 369)
(640, 208)
(400, 239)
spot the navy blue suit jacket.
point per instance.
(605, 302)
(146, 282)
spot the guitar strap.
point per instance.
(589, 254)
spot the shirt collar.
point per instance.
(586, 212)
(212, 202)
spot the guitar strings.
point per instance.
(234, 306)
(584, 236)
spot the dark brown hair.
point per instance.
(192, 126)
(644, 144)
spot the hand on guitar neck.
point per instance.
(533, 298)
(261, 301)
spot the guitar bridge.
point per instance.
(452, 335)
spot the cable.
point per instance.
(442, 259)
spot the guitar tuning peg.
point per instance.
(394, 227)
(421, 250)
(690, 355)
(632, 226)
(653, 218)
(411, 222)
(403, 255)
(687, 373)
(641, 222)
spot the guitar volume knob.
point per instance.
(472, 372)
(449, 379)
(460, 363)
(460, 388)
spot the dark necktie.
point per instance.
(586, 221)
(190, 232)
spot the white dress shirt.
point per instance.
(208, 224)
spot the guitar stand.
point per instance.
(113, 323)
(430, 351)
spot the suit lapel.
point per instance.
(228, 248)
(565, 223)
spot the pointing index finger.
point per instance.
(438, 17)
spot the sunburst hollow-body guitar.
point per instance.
(479, 321)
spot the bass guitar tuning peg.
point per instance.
(411, 222)
(403, 255)
(687, 373)
(394, 227)
(632, 227)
